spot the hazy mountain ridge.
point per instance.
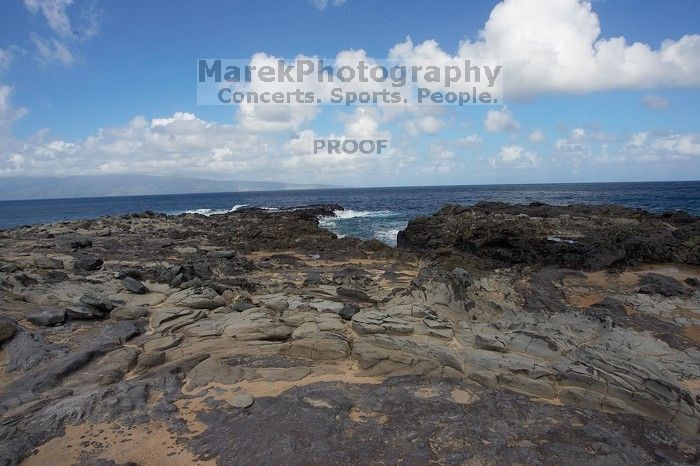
(44, 187)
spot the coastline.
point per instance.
(513, 333)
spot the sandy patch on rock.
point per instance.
(145, 444)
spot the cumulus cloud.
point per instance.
(514, 157)
(637, 140)
(428, 124)
(644, 146)
(178, 144)
(364, 123)
(656, 102)
(184, 144)
(500, 120)
(555, 46)
(574, 144)
(579, 141)
(678, 145)
(537, 137)
(442, 160)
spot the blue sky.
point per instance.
(82, 82)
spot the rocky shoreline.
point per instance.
(492, 334)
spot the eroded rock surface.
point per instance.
(496, 334)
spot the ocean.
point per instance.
(370, 212)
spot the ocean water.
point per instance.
(370, 212)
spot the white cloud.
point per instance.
(52, 51)
(442, 160)
(5, 59)
(637, 140)
(8, 113)
(473, 140)
(68, 32)
(179, 144)
(54, 11)
(500, 120)
(643, 146)
(573, 145)
(364, 123)
(537, 137)
(514, 157)
(423, 125)
(186, 145)
(555, 46)
(656, 102)
(322, 4)
(678, 144)
(577, 135)
(59, 21)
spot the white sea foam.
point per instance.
(209, 212)
(387, 235)
(345, 214)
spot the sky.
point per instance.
(607, 90)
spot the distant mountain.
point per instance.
(16, 188)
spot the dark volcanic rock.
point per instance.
(354, 295)
(654, 283)
(88, 263)
(348, 311)
(84, 313)
(99, 302)
(7, 329)
(81, 243)
(55, 276)
(393, 423)
(241, 306)
(48, 317)
(580, 237)
(6, 267)
(133, 285)
(221, 254)
(45, 262)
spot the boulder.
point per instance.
(88, 263)
(45, 262)
(84, 312)
(654, 283)
(348, 311)
(129, 312)
(134, 286)
(242, 400)
(48, 317)
(97, 301)
(241, 306)
(81, 243)
(55, 276)
(7, 330)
